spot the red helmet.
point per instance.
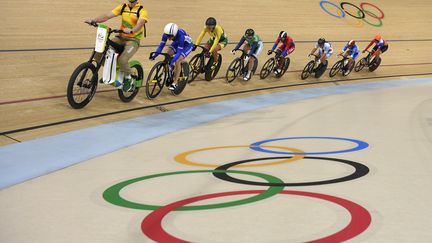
(378, 37)
(351, 42)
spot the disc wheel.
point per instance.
(211, 72)
(183, 79)
(374, 64)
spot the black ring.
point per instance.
(360, 10)
(360, 170)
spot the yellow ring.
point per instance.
(181, 158)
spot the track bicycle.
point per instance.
(341, 66)
(198, 64)
(372, 64)
(312, 68)
(162, 75)
(238, 65)
(272, 65)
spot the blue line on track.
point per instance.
(27, 160)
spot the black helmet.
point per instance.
(321, 41)
(211, 21)
(249, 33)
(283, 35)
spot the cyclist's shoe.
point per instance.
(172, 86)
(277, 71)
(118, 84)
(128, 85)
(246, 77)
(213, 67)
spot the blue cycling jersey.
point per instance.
(180, 42)
(353, 49)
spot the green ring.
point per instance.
(112, 194)
(364, 19)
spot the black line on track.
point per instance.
(11, 138)
(200, 98)
(145, 46)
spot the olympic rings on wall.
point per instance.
(360, 13)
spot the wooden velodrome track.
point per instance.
(60, 188)
(44, 41)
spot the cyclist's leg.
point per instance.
(131, 47)
(254, 56)
(178, 64)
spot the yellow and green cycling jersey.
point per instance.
(218, 36)
(130, 19)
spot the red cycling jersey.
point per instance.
(287, 45)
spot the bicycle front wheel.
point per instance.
(307, 70)
(82, 85)
(195, 67)
(156, 80)
(267, 68)
(335, 69)
(233, 70)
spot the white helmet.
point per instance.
(171, 29)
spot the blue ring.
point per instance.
(360, 145)
(336, 6)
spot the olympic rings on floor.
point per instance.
(361, 11)
(182, 158)
(360, 170)
(362, 16)
(151, 225)
(112, 194)
(360, 145)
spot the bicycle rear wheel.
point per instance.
(210, 73)
(335, 69)
(183, 79)
(233, 70)
(267, 68)
(287, 62)
(374, 64)
(307, 70)
(82, 85)
(156, 80)
(137, 74)
(195, 67)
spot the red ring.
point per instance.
(151, 225)
(373, 16)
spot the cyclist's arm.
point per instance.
(139, 25)
(313, 50)
(162, 43)
(370, 44)
(102, 18)
(242, 40)
(276, 43)
(181, 44)
(200, 37)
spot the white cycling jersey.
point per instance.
(327, 48)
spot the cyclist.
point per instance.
(351, 51)
(180, 47)
(381, 46)
(254, 45)
(218, 39)
(134, 17)
(287, 47)
(325, 51)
